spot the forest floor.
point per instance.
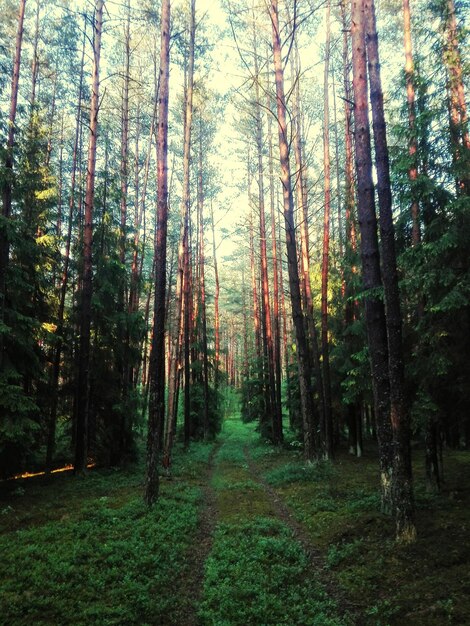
(243, 534)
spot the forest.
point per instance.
(234, 312)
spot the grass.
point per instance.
(257, 574)
(86, 552)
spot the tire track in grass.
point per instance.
(315, 558)
(257, 573)
(190, 583)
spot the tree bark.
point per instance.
(327, 414)
(157, 357)
(272, 411)
(202, 288)
(371, 275)
(307, 409)
(50, 450)
(8, 176)
(83, 390)
(402, 483)
(412, 141)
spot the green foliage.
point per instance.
(297, 472)
(340, 551)
(257, 574)
(111, 561)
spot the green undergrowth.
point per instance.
(425, 584)
(86, 551)
(257, 574)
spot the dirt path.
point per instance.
(192, 577)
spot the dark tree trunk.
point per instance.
(83, 383)
(306, 395)
(402, 483)
(157, 356)
(371, 275)
(8, 175)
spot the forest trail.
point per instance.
(261, 558)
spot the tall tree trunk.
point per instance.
(8, 175)
(157, 356)
(327, 415)
(371, 274)
(272, 411)
(459, 131)
(402, 484)
(254, 279)
(216, 303)
(306, 289)
(186, 220)
(83, 391)
(276, 318)
(412, 141)
(306, 395)
(202, 287)
(50, 450)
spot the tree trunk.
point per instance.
(276, 318)
(412, 141)
(327, 415)
(202, 287)
(371, 275)
(459, 131)
(50, 450)
(272, 411)
(402, 484)
(309, 428)
(8, 175)
(186, 220)
(157, 357)
(83, 391)
(216, 304)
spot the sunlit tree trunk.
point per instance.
(157, 357)
(202, 287)
(83, 391)
(272, 412)
(327, 414)
(186, 220)
(302, 205)
(216, 302)
(459, 131)
(306, 395)
(274, 244)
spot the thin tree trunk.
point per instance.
(272, 411)
(306, 395)
(459, 130)
(8, 175)
(216, 303)
(276, 320)
(186, 219)
(412, 141)
(402, 484)
(202, 287)
(50, 450)
(327, 416)
(306, 289)
(157, 356)
(83, 390)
